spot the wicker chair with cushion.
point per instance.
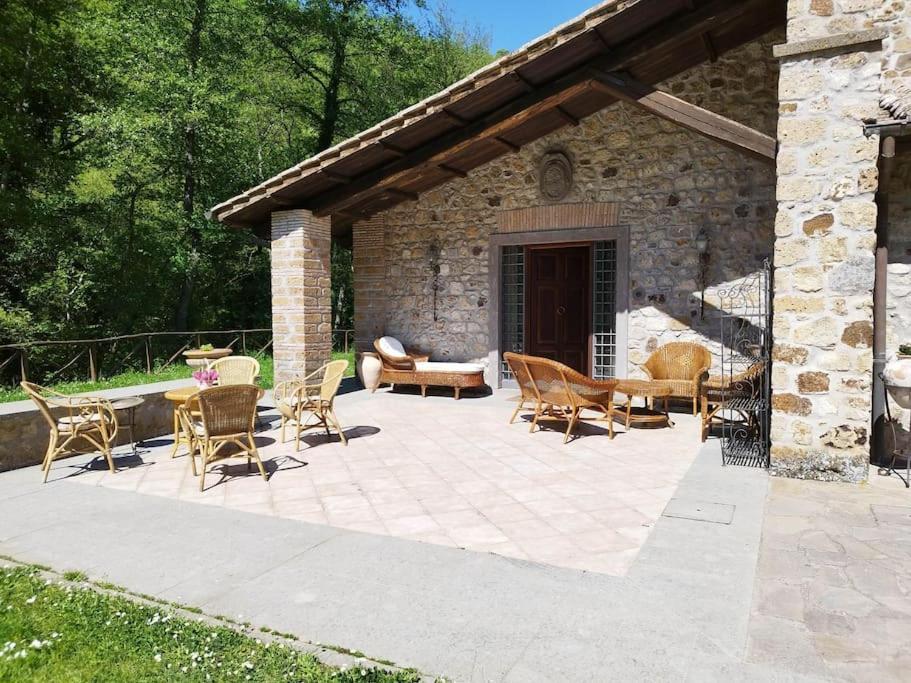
(308, 403)
(718, 393)
(402, 367)
(225, 417)
(560, 392)
(86, 418)
(681, 367)
(236, 370)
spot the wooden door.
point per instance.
(558, 305)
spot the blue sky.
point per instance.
(511, 23)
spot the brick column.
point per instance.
(825, 237)
(301, 292)
(369, 283)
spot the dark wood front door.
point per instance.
(558, 297)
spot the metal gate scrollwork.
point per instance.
(746, 352)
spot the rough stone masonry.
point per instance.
(833, 68)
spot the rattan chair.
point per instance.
(681, 367)
(561, 393)
(718, 393)
(225, 418)
(88, 418)
(236, 370)
(313, 395)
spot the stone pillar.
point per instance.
(369, 282)
(825, 238)
(301, 292)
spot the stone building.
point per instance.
(632, 164)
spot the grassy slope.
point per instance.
(53, 632)
(129, 379)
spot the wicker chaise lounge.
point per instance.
(402, 367)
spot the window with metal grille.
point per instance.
(604, 310)
(512, 307)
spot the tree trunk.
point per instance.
(182, 316)
(329, 121)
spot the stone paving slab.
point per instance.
(833, 586)
(449, 473)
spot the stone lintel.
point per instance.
(837, 42)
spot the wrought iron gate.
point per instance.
(746, 352)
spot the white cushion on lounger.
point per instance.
(392, 347)
(455, 368)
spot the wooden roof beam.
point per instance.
(566, 116)
(450, 144)
(392, 149)
(403, 194)
(688, 27)
(511, 146)
(451, 170)
(714, 126)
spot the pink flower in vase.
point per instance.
(205, 378)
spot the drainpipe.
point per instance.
(886, 162)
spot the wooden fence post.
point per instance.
(148, 345)
(93, 362)
(243, 341)
(23, 364)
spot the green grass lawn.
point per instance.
(53, 631)
(133, 378)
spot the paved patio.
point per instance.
(445, 472)
(739, 578)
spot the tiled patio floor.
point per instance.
(449, 473)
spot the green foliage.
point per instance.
(123, 121)
(52, 631)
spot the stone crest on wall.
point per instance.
(555, 176)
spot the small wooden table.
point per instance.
(178, 397)
(650, 392)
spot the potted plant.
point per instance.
(897, 376)
(201, 357)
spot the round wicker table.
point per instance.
(648, 414)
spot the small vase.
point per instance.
(203, 385)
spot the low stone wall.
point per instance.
(24, 433)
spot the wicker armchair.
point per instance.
(313, 395)
(236, 370)
(226, 416)
(718, 393)
(88, 418)
(680, 366)
(404, 367)
(560, 392)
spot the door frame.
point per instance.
(556, 237)
(589, 291)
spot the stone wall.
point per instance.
(899, 279)
(825, 235)
(24, 433)
(668, 181)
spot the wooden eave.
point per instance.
(550, 83)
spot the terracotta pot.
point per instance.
(369, 367)
(897, 376)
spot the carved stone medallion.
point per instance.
(555, 176)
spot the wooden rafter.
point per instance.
(534, 102)
(715, 126)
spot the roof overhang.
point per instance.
(549, 83)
